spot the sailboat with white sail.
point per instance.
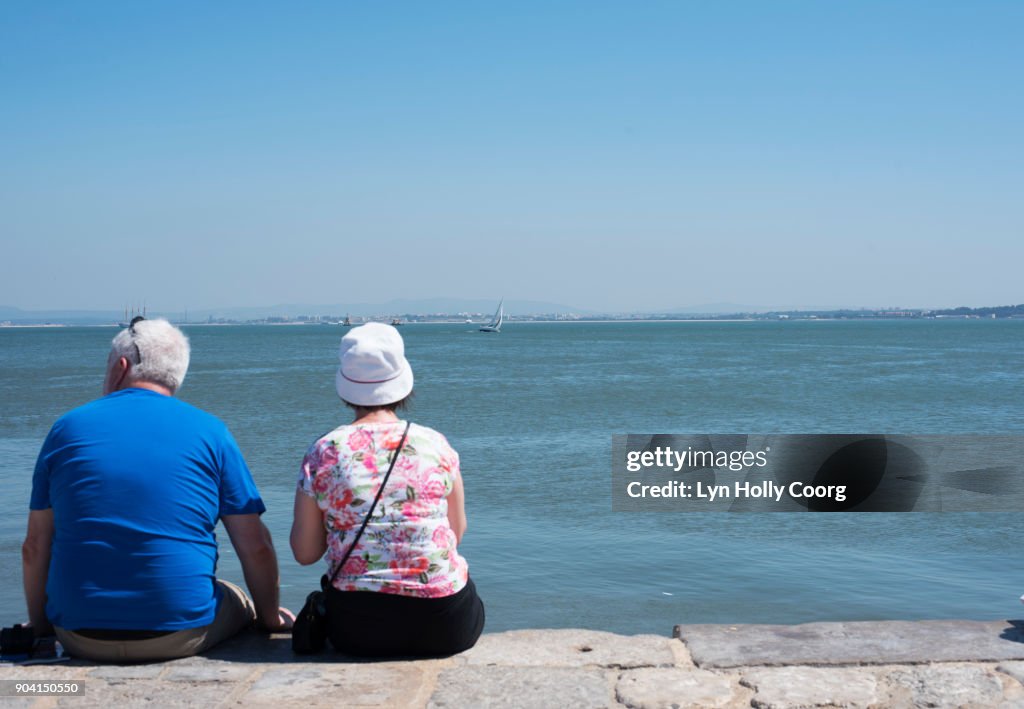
(495, 324)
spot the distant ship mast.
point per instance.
(134, 311)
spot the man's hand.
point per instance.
(285, 621)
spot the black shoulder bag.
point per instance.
(309, 634)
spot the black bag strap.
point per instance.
(324, 582)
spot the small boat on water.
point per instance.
(395, 322)
(495, 324)
(346, 322)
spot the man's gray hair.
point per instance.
(158, 352)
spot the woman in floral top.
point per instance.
(404, 589)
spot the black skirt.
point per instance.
(375, 624)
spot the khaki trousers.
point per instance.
(235, 613)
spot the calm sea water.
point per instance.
(532, 412)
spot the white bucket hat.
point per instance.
(373, 369)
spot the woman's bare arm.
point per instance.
(457, 509)
(308, 537)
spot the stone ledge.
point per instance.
(858, 643)
(777, 667)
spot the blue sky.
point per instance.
(627, 155)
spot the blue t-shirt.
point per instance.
(137, 481)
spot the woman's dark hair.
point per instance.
(400, 405)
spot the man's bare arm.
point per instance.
(255, 549)
(35, 565)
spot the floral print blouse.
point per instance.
(408, 547)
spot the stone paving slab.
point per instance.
(869, 642)
(147, 693)
(571, 648)
(211, 671)
(946, 686)
(16, 702)
(56, 673)
(516, 687)
(664, 687)
(783, 687)
(1013, 669)
(337, 686)
(126, 672)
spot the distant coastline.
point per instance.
(1002, 312)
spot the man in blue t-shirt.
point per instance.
(121, 552)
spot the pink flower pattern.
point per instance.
(408, 547)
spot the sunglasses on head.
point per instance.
(131, 329)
